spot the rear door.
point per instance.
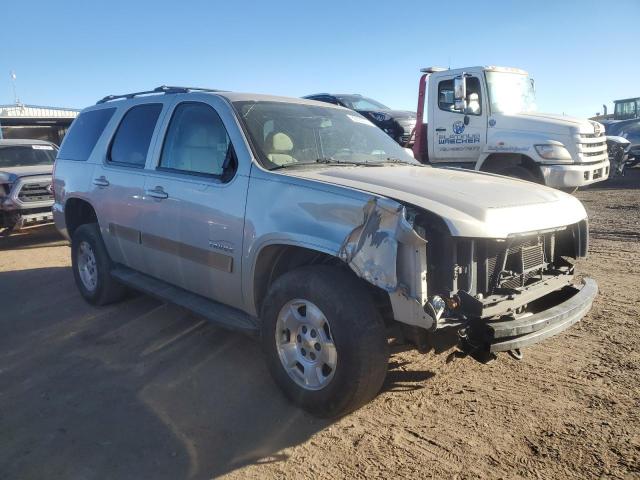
(195, 196)
(453, 140)
(118, 183)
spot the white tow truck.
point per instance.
(485, 118)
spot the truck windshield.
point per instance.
(292, 134)
(26, 155)
(510, 92)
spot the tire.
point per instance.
(87, 242)
(520, 172)
(354, 326)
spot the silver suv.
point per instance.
(306, 225)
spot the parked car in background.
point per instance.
(626, 124)
(618, 150)
(304, 224)
(25, 183)
(398, 124)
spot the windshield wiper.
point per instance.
(328, 161)
(400, 161)
(333, 161)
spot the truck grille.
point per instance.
(35, 192)
(592, 147)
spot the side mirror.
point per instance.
(460, 92)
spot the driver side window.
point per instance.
(446, 98)
(196, 142)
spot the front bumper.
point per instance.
(32, 219)
(574, 175)
(504, 335)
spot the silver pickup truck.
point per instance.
(306, 225)
(25, 183)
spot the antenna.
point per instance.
(13, 83)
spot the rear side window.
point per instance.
(84, 133)
(131, 142)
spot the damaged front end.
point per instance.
(502, 294)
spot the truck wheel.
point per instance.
(92, 267)
(324, 340)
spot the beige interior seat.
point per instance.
(474, 104)
(279, 145)
(200, 150)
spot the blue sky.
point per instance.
(71, 53)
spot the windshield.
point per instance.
(290, 134)
(356, 102)
(511, 92)
(26, 155)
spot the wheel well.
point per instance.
(497, 162)
(78, 212)
(276, 260)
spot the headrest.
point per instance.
(281, 142)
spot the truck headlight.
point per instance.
(553, 152)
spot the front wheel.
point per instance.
(324, 340)
(520, 172)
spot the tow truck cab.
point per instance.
(485, 118)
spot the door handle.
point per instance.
(101, 181)
(157, 192)
(441, 129)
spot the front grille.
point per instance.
(35, 192)
(591, 135)
(592, 154)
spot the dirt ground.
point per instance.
(144, 390)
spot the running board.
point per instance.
(217, 313)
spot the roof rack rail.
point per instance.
(163, 89)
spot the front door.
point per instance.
(192, 233)
(457, 137)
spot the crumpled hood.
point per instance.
(11, 174)
(473, 204)
(543, 123)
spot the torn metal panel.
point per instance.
(386, 251)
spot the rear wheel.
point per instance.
(92, 267)
(324, 340)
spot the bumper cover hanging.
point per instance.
(505, 335)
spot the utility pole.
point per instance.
(13, 83)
